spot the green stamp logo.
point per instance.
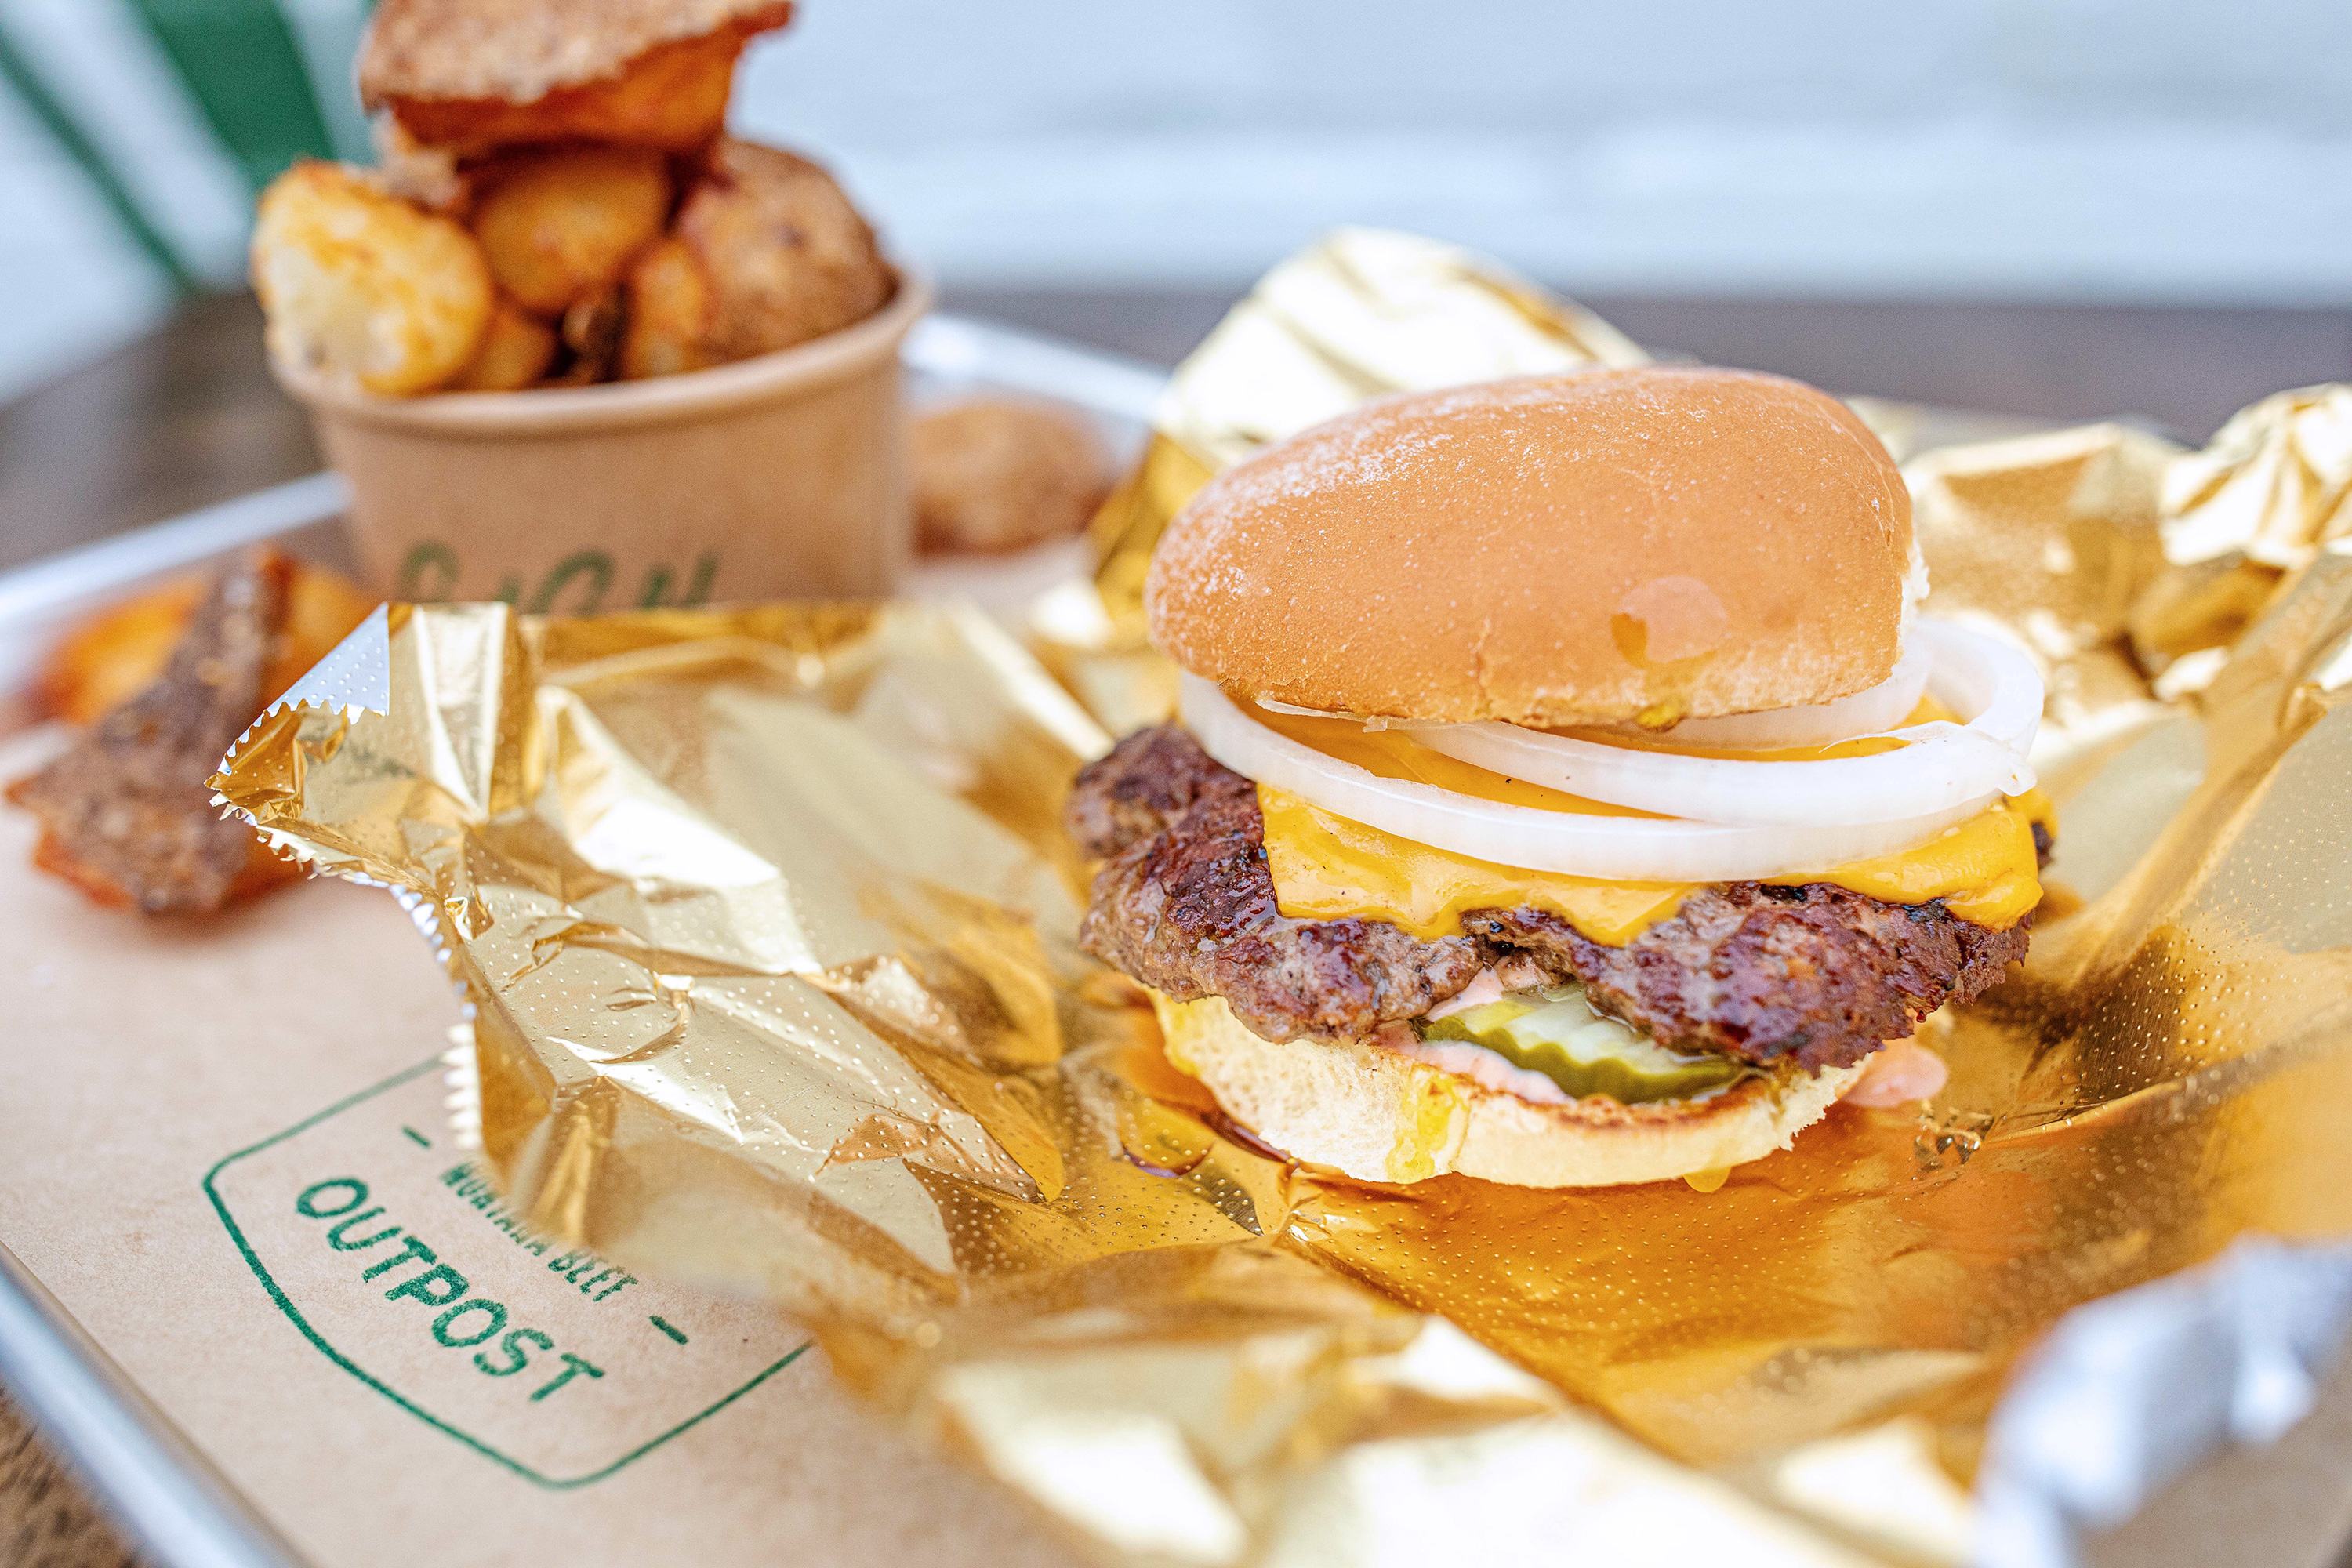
(580, 584)
(393, 1255)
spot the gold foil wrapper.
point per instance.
(2242, 518)
(769, 928)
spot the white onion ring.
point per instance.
(1990, 680)
(1881, 707)
(1942, 767)
(1613, 849)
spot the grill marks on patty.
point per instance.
(1144, 786)
(1818, 976)
(1185, 903)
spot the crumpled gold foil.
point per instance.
(2053, 537)
(769, 926)
(2243, 517)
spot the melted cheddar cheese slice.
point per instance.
(1328, 867)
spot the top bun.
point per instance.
(1646, 544)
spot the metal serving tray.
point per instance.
(185, 1514)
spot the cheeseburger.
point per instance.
(1567, 791)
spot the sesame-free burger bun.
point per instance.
(1645, 544)
(1379, 1115)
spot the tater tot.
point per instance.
(668, 325)
(561, 227)
(360, 288)
(517, 348)
(788, 258)
(591, 331)
(1000, 473)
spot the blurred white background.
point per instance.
(2178, 151)
(2144, 149)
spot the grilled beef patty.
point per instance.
(1817, 976)
(1184, 904)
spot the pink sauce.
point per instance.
(1901, 1072)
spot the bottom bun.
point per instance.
(1381, 1116)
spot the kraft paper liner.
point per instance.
(767, 925)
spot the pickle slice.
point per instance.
(1554, 1031)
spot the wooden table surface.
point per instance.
(46, 1521)
(188, 415)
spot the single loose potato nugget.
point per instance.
(362, 288)
(787, 255)
(559, 226)
(669, 312)
(517, 348)
(1001, 473)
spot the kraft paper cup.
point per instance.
(778, 476)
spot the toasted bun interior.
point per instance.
(1379, 1116)
(1641, 544)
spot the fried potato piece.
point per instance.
(668, 313)
(787, 257)
(1000, 473)
(118, 652)
(126, 813)
(108, 659)
(561, 227)
(475, 75)
(363, 289)
(591, 331)
(321, 609)
(515, 350)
